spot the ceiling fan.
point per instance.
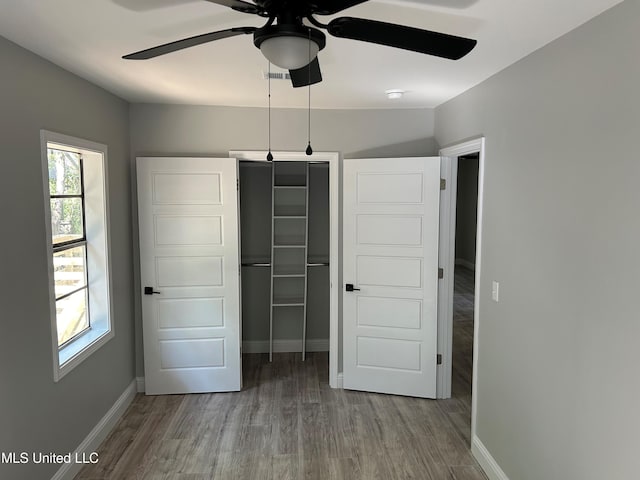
(290, 44)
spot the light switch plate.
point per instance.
(495, 291)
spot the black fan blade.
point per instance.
(400, 36)
(239, 6)
(330, 7)
(188, 42)
(307, 75)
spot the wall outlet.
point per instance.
(495, 291)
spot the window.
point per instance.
(69, 239)
(76, 213)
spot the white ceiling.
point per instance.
(88, 38)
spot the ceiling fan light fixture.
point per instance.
(289, 46)
(290, 52)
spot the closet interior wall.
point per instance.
(256, 236)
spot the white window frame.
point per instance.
(96, 212)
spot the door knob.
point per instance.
(149, 291)
(350, 288)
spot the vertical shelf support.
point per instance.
(273, 233)
(289, 244)
(306, 261)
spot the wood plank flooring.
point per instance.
(287, 423)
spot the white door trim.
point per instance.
(447, 214)
(333, 159)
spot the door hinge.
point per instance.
(441, 273)
(443, 184)
(439, 359)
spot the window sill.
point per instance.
(79, 350)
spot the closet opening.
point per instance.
(285, 250)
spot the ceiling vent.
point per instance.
(283, 75)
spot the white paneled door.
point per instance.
(390, 271)
(188, 218)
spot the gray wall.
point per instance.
(202, 130)
(36, 414)
(558, 360)
(466, 209)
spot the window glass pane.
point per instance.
(66, 219)
(72, 316)
(69, 270)
(64, 173)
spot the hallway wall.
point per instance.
(557, 369)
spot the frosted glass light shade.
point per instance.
(289, 52)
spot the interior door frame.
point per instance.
(333, 159)
(449, 171)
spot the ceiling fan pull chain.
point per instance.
(269, 155)
(309, 150)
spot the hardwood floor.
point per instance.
(287, 423)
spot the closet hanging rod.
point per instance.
(259, 264)
(317, 264)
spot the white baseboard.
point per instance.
(486, 461)
(281, 346)
(140, 384)
(340, 380)
(98, 434)
(466, 263)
